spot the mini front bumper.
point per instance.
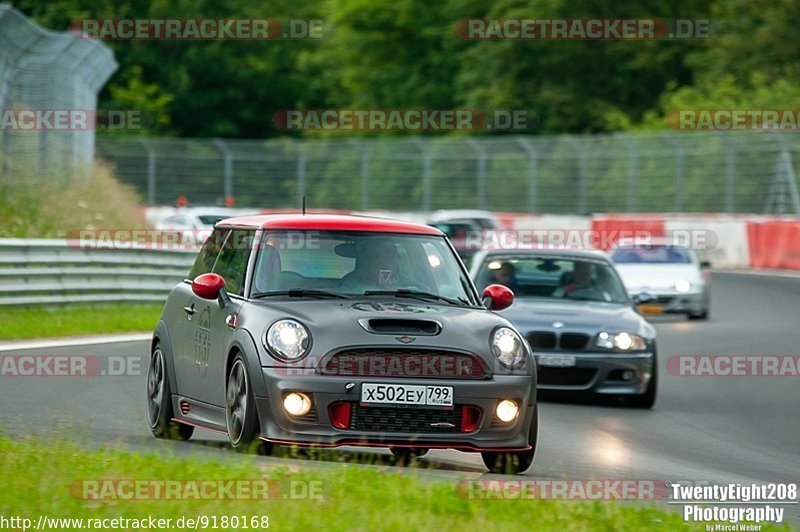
(599, 373)
(317, 429)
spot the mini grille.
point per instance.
(408, 420)
(414, 363)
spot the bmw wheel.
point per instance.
(159, 401)
(512, 463)
(648, 398)
(240, 408)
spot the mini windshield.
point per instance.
(652, 254)
(319, 263)
(554, 278)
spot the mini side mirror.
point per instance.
(208, 286)
(497, 297)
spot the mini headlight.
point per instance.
(288, 339)
(507, 347)
(683, 286)
(621, 342)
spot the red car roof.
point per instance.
(330, 222)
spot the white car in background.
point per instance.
(670, 272)
(193, 224)
(485, 220)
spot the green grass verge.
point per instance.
(42, 479)
(42, 322)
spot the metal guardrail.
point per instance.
(52, 271)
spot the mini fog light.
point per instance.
(507, 410)
(628, 375)
(297, 404)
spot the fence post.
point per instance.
(301, 172)
(582, 176)
(481, 175)
(633, 166)
(785, 180)
(151, 171)
(427, 164)
(679, 171)
(363, 173)
(730, 174)
(227, 168)
(533, 168)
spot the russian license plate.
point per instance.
(556, 361)
(651, 309)
(406, 394)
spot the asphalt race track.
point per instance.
(716, 429)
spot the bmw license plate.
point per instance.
(651, 309)
(556, 361)
(406, 394)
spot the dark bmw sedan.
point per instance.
(585, 331)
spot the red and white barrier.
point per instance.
(727, 241)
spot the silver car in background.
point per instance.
(585, 332)
(669, 271)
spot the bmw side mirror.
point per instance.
(497, 297)
(704, 264)
(211, 286)
(643, 298)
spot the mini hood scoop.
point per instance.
(401, 326)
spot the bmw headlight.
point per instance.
(683, 286)
(288, 340)
(621, 341)
(508, 348)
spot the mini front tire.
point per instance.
(240, 407)
(512, 463)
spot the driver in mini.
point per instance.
(376, 268)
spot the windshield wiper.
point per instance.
(418, 294)
(300, 292)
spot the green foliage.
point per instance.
(47, 322)
(380, 54)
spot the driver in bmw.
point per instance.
(582, 280)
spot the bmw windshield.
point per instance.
(554, 278)
(340, 264)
